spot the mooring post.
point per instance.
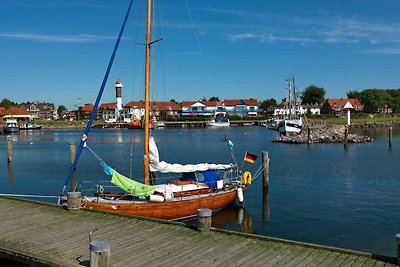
(390, 136)
(100, 253)
(398, 248)
(308, 135)
(9, 150)
(204, 219)
(265, 168)
(74, 200)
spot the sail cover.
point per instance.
(164, 167)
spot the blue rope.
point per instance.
(86, 133)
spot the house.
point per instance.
(107, 111)
(200, 108)
(41, 110)
(311, 109)
(242, 107)
(336, 106)
(84, 111)
(136, 108)
(16, 113)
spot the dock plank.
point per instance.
(48, 234)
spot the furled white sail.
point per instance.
(156, 165)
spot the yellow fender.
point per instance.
(246, 179)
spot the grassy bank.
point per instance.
(358, 118)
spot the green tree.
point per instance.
(6, 103)
(214, 98)
(375, 99)
(268, 103)
(313, 95)
(61, 110)
(354, 95)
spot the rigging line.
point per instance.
(97, 156)
(199, 47)
(87, 130)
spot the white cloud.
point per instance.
(79, 38)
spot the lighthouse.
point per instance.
(118, 95)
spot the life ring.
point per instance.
(246, 177)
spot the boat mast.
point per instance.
(289, 98)
(147, 96)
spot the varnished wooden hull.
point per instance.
(169, 210)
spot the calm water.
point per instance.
(322, 194)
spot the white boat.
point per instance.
(292, 126)
(219, 119)
(30, 125)
(292, 123)
(11, 126)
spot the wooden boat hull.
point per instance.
(169, 210)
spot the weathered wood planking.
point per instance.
(49, 235)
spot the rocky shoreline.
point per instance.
(323, 134)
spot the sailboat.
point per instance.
(219, 118)
(292, 123)
(211, 186)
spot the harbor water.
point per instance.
(326, 194)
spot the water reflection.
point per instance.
(265, 210)
(10, 174)
(231, 217)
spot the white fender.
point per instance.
(156, 198)
(240, 196)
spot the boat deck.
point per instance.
(52, 236)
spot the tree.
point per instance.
(354, 95)
(268, 103)
(374, 99)
(6, 103)
(61, 110)
(313, 95)
(214, 98)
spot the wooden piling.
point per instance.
(265, 167)
(390, 136)
(398, 248)
(100, 253)
(204, 219)
(72, 152)
(9, 150)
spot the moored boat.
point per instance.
(292, 123)
(30, 125)
(169, 191)
(11, 126)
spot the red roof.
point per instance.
(234, 102)
(108, 106)
(14, 111)
(212, 103)
(87, 107)
(154, 104)
(341, 102)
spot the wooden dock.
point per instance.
(49, 235)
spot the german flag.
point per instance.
(250, 157)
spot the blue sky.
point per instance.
(57, 51)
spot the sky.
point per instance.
(58, 51)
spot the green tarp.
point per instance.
(131, 186)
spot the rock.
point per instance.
(327, 134)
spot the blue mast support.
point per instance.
(86, 132)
